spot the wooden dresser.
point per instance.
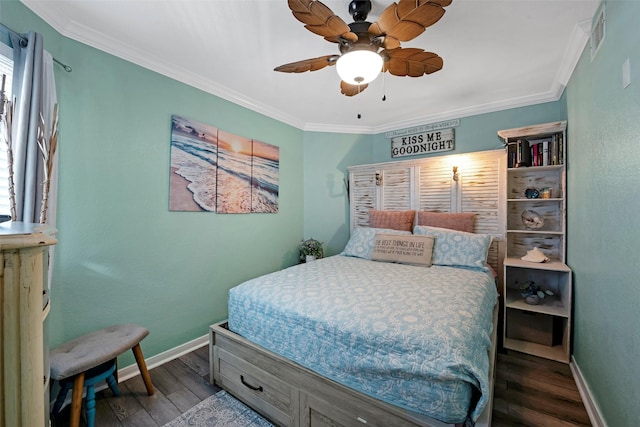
(24, 305)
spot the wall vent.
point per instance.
(598, 30)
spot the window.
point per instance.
(6, 68)
(598, 31)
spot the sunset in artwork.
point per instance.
(237, 144)
(266, 151)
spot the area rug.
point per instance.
(219, 410)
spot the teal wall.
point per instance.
(603, 222)
(122, 255)
(326, 158)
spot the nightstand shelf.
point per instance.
(551, 305)
(556, 352)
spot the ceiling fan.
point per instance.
(363, 41)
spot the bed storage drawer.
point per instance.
(275, 399)
(344, 412)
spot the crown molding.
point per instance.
(128, 52)
(573, 52)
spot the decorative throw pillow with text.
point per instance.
(413, 250)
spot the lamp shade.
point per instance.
(359, 66)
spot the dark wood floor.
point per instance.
(528, 392)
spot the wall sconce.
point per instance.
(455, 172)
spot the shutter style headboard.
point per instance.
(427, 184)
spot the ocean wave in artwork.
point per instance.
(197, 164)
(265, 185)
(234, 179)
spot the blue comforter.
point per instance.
(415, 337)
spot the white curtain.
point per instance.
(35, 94)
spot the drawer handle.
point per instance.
(252, 387)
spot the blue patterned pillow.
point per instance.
(362, 240)
(457, 248)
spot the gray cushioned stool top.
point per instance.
(88, 351)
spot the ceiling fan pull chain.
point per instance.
(358, 101)
(384, 87)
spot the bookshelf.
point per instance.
(536, 218)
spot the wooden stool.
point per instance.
(90, 359)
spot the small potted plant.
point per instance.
(310, 250)
(532, 293)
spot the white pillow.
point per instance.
(457, 248)
(362, 239)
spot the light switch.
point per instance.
(626, 73)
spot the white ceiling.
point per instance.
(497, 54)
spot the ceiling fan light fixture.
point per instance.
(359, 67)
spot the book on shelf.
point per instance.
(545, 152)
(560, 149)
(512, 154)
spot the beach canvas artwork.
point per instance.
(217, 171)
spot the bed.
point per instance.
(348, 340)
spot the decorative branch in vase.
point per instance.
(48, 148)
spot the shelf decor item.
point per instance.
(535, 255)
(532, 293)
(310, 250)
(531, 193)
(532, 219)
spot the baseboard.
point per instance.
(589, 404)
(164, 357)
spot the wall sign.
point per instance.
(423, 128)
(423, 143)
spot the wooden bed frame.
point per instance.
(291, 395)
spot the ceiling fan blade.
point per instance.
(443, 3)
(406, 20)
(312, 64)
(351, 90)
(319, 19)
(411, 62)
